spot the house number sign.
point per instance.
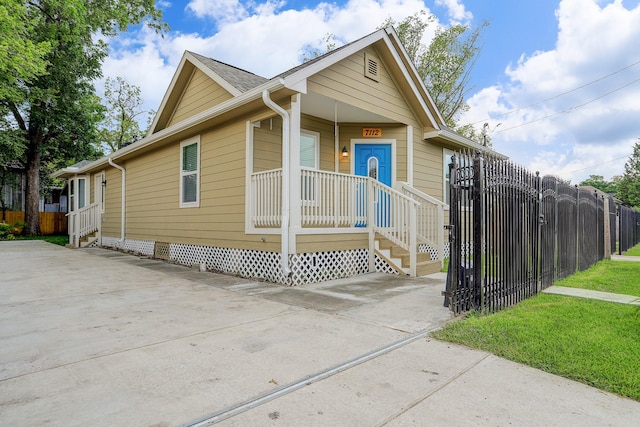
(372, 132)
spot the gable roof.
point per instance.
(246, 87)
(240, 79)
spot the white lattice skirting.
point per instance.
(306, 268)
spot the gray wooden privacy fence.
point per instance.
(513, 233)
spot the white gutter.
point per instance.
(286, 172)
(122, 203)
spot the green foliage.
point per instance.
(60, 240)
(634, 251)
(629, 185)
(10, 231)
(446, 68)
(309, 52)
(22, 56)
(445, 65)
(54, 112)
(120, 124)
(598, 181)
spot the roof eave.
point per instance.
(195, 120)
(456, 138)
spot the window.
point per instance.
(309, 158)
(309, 148)
(190, 173)
(78, 193)
(373, 168)
(447, 179)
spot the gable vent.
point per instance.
(371, 67)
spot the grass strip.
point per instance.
(618, 277)
(594, 342)
(56, 240)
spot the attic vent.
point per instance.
(371, 67)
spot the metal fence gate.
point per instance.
(513, 233)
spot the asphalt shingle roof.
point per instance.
(240, 79)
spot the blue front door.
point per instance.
(374, 160)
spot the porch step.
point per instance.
(428, 267)
(399, 258)
(88, 239)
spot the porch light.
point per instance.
(104, 183)
(345, 153)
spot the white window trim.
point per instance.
(313, 199)
(99, 191)
(445, 169)
(316, 137)
(196, 204)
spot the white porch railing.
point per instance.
(430, 219)
(266, 198)
(83, 222)
(332, 199)
(394, 217)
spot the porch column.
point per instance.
(294, 167)
(410, 155)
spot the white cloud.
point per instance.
(220, 10)
(266, 40)
(456, 10)
(580, 132)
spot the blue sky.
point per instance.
(558, 82)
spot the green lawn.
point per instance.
(594, 342)
(619, 277)
(634, 251)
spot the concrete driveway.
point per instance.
(100, 338)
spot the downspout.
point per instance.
(286, 172)
(122, 203)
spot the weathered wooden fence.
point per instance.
(50, 222)
(513, 233)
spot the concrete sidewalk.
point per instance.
(586, 293)
(101, 338)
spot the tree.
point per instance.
(56, 112)
(123, 110)
(445, 65)
(598, 181)
(629, 184)
(309, 52)
(22, 58)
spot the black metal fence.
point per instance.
(628, 229)
(513, 233)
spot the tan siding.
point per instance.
(428, 168)
(267, 145)
(345, 81)
(153, 211)
(112, 212)
(327, 143)
(200, 94)
(331, 242)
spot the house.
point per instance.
(332, 169)
(52, 204)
